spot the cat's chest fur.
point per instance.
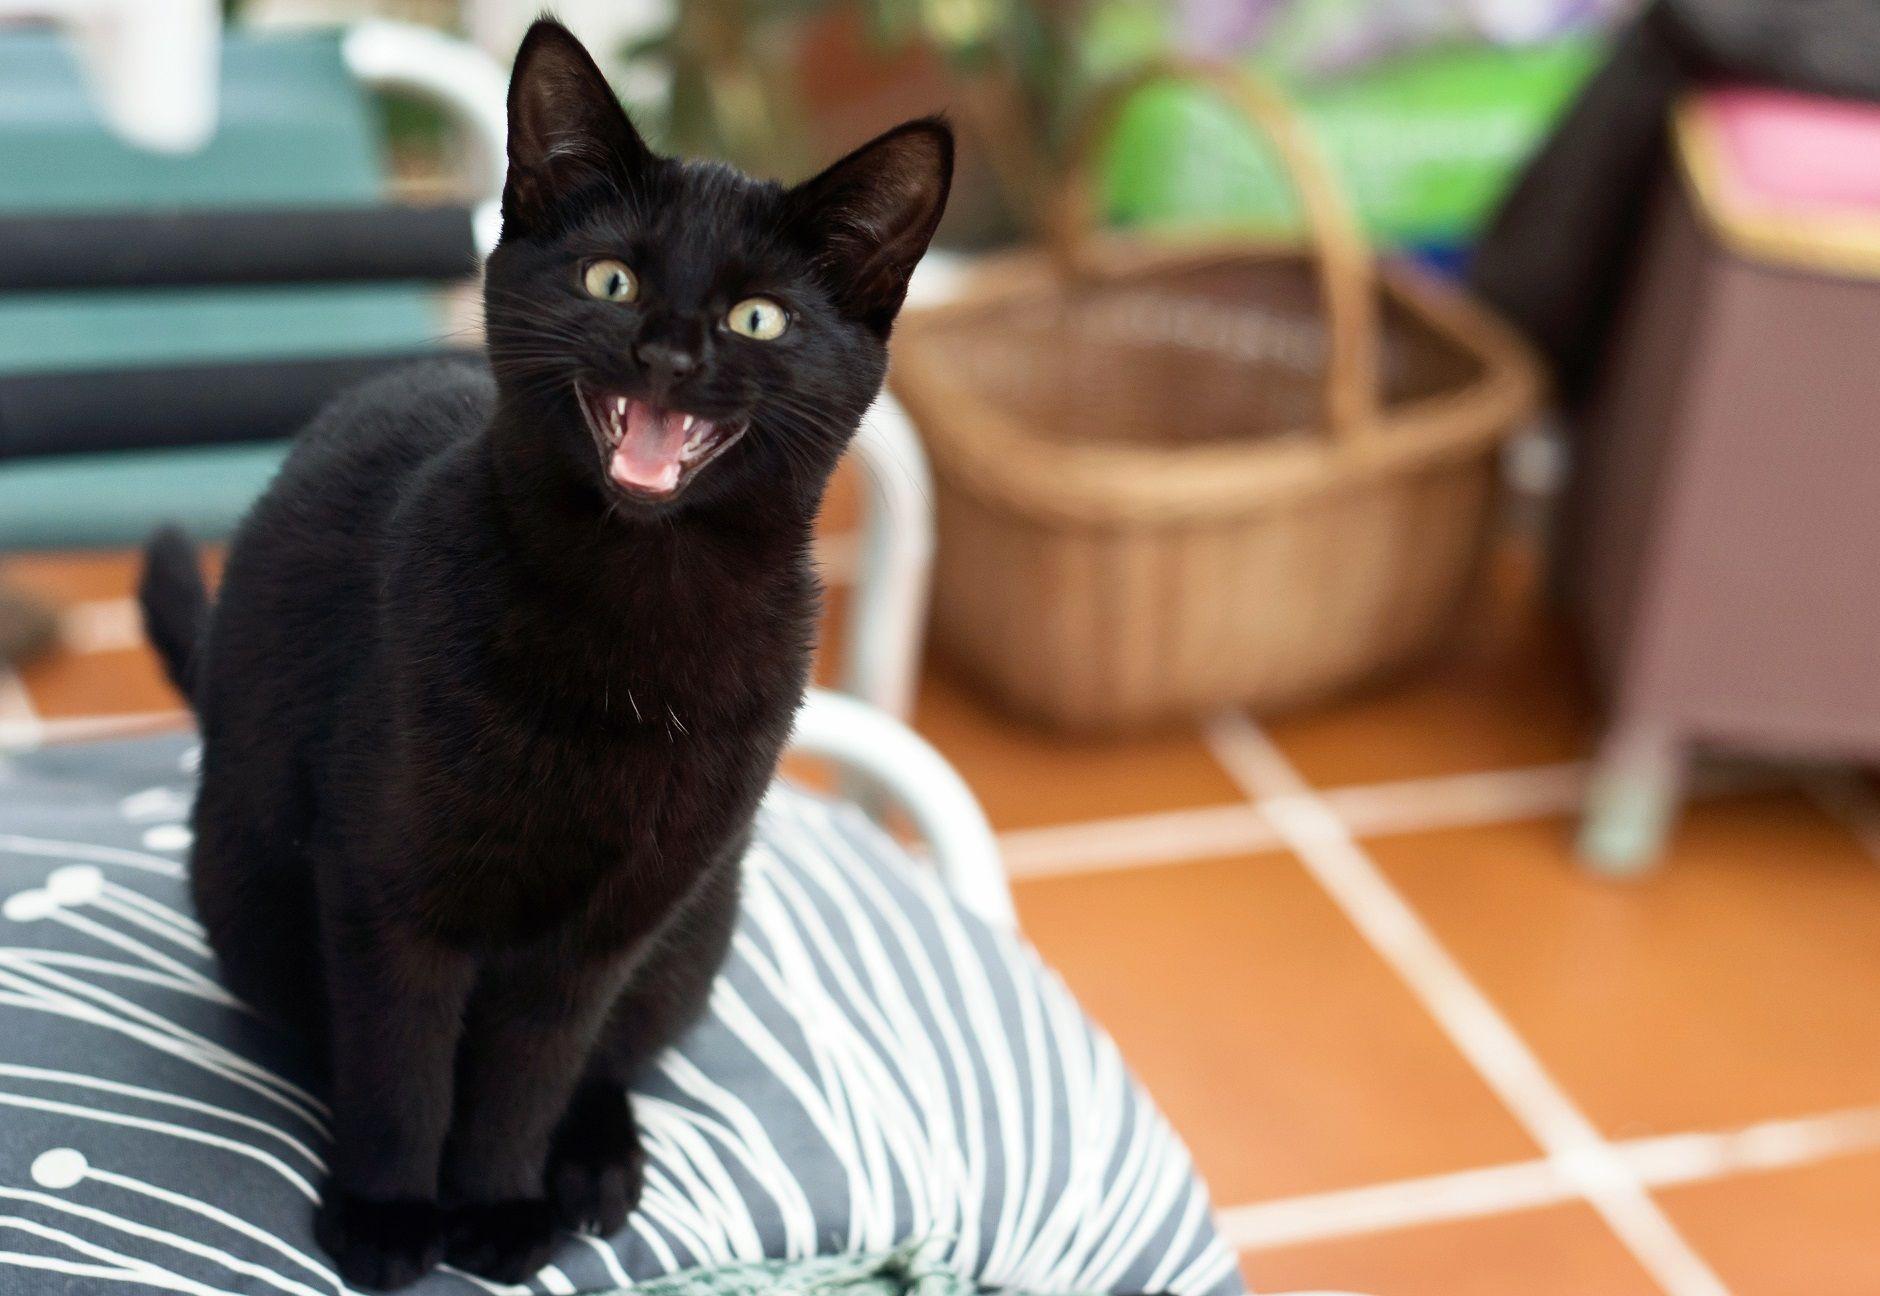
(578, 741)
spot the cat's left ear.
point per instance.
(567, 131)
(871, 215)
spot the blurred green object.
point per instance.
(1426, 141)
(1426, 144)
(295, 130)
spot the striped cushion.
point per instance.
(877, 1066)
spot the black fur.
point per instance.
(176, 605)
(483, 732)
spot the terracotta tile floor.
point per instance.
(1027, 778)
(1416, 1052)
(1811, 1230)
(1562, 1251)
(1195, 968)
(1740, 983)
(1506, 697)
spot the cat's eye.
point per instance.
(610, 281)
(759, 318)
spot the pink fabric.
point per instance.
(1798, 152)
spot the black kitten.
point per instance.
(503, 662)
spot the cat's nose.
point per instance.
(664, 362)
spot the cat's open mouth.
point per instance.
(651, 452)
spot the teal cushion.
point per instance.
(294, 129)
(118, 499)
(52, 331)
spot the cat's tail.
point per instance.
(176, 605)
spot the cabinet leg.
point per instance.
(1632, 798)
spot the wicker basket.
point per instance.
(1172, 478)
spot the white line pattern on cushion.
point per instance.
(875, 1065)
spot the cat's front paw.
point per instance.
(380, 1244)
(506, 1241)
(596, 1167)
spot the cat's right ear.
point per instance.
(871, 215)
(567, 131)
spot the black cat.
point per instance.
(503, 661)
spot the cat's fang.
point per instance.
(648, 450)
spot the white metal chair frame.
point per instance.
(861, 728)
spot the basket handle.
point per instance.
(1346, 272)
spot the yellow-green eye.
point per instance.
(757, 317)
(610, 281)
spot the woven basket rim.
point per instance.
(997, 457)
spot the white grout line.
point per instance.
(1168, 837)
(1768, 1145)
(1178, 836)
(1459, 800)
(101, 625)
(18, 736)
(1572, 1144)
(1499, 796)
(1658, 1162)
(1377, 1208)
(20, 725)
(1367, 810)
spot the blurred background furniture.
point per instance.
(150, 64)
(168, 316)
(1197, 474)
(1721, 532)
(1556, 255)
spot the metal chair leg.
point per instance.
(1632, 799)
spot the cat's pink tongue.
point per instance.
(647, 457)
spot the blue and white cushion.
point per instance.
(877, 1066)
